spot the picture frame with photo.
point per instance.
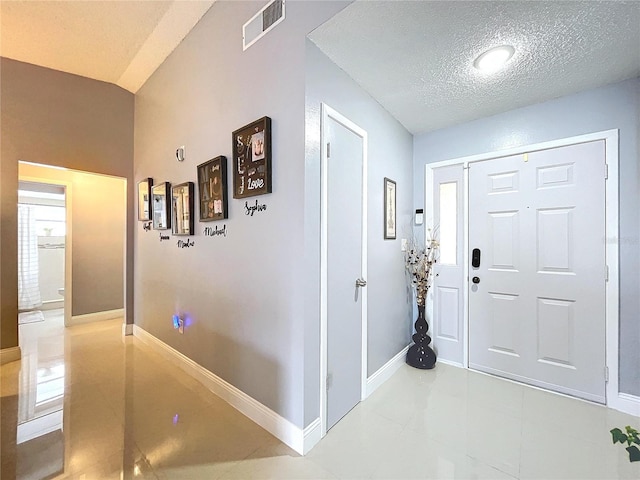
(390, 223)
(182, 209)
(161, 200)
(144, 199)
(252, 159)
(212, 189)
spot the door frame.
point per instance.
(68, 241)
(329, 113)
(612, 300)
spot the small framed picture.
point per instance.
(212, 189)
(182, 209)
(389, 209)
(161, 200)
(252, 159)
(144, 199)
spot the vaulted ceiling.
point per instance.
(121, 42)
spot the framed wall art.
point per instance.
(144, 199)
(389, 209)
(252, 159)
(182, 209)
(161, 200)
(212, 189)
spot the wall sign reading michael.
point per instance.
(161, 206)
(212, 189)
(252, 159)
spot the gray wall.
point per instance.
(390, 154)
(56, 118)
(611, 107)
(98, 236)
(243, 295)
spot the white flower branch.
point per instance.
(419, 262)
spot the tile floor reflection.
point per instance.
(84, 403)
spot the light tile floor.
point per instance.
(84, 403)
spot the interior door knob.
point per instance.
(475, 279)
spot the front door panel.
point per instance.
(537, 313)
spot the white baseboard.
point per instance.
(10, 354)
(127, 329)
(312, 435)
(96, 317)
(275, 424)
(627, 403)
(52, 304)
(385, 372)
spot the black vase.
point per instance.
(420, 355)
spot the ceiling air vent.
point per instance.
(263, 21)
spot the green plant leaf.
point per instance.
(618, 436)
(634, 454)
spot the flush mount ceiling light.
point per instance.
(494, 59)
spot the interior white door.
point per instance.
(537, 297)
(344, 268)
(448, 283)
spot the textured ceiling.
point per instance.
(121, 42)
(416, 58)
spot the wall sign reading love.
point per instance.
(252, 159)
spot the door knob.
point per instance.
(475, 280)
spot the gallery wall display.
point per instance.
(252, 159)
(212, 189)
(182, 209)
(161, 200)
(389, 209)
(144, 199)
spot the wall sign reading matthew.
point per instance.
(252, 159)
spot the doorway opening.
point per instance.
(75, 230)
(44, 251)
(41, 250)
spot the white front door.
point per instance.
(537, 290)
(345, 230)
